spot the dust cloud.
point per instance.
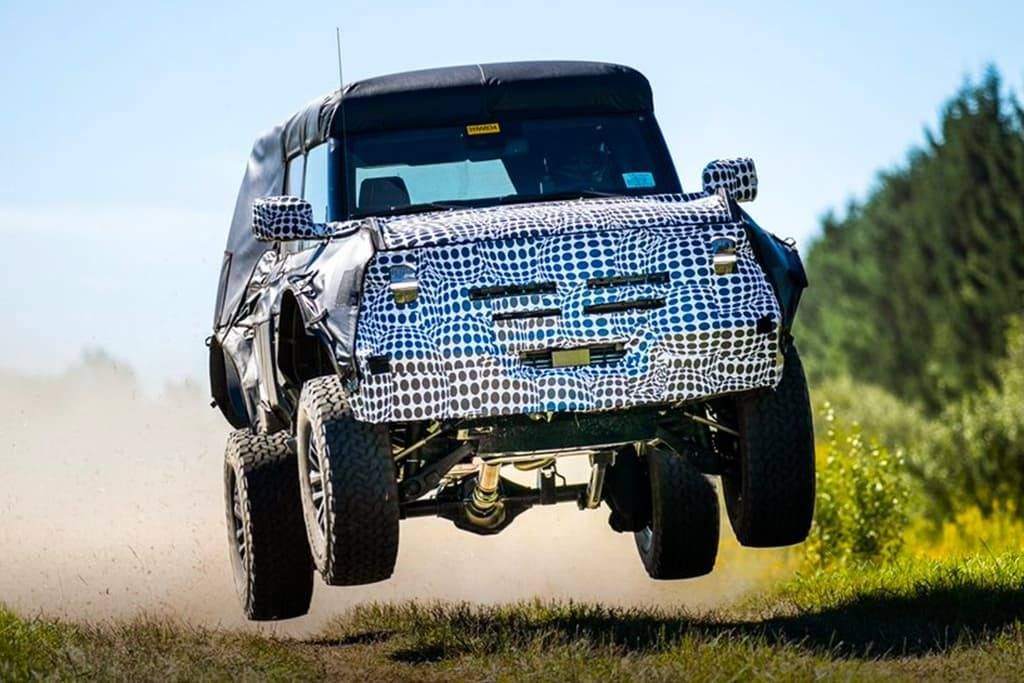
(111, 506)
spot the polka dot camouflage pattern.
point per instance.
(284, 218)
(736, 176)
(570, 216)
(685, 336)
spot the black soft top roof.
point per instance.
(456, 95)
(477, 93)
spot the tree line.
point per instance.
(913, 288)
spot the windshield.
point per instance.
(494, 162)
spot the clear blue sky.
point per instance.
(128, 124)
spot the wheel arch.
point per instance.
(303, 350)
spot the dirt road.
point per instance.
(112, 506)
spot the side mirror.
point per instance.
(285, 218)
(736, 176)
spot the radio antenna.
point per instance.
(344, 128)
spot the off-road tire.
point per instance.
(681, 540)
(273, 570)
(627, 491)
(353, 532)
(769, 490)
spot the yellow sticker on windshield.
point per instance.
(483, 129)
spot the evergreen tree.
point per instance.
(911, 289)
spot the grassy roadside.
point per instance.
(140, 649)
(913, 618)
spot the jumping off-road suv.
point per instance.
(432, 276)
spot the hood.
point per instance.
(545, 218)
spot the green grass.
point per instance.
(140, 649)
(911, 619)
(27, 647)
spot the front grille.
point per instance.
(627, 280)
(601, 355)
(525, 315)
(498, 292)
(607, 354)
(621, 306)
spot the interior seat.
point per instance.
(382, 194)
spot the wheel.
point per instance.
(627, 491)
(681, 539)
(269, 553)
(769, 488)
(349, 488)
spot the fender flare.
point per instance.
(226, 386)
(782, 265)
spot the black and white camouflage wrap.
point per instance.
(450, 358)
(285, 218)
(505, 222)
(737, 177)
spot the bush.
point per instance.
(972, 532)
(893, 421)
(974, 455)
(861, 507)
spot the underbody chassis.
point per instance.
(465, 484)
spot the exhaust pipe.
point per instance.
(485, 508)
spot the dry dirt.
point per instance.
(111, 505)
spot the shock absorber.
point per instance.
(484, 507)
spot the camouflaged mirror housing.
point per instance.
(514, 274)
(737, 177)
(285, 218)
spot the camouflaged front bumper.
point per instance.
(635, 301)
